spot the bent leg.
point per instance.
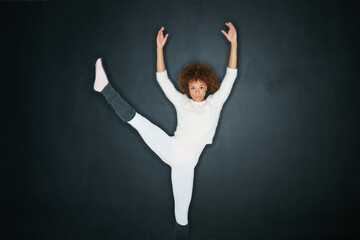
(154, 137)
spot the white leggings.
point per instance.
(181, 158)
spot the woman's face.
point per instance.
(197, 89)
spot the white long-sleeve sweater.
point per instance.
(197, 121)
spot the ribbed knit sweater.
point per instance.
(197, 121)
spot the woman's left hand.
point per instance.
(231, 35)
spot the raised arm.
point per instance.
(161, 74)
(160, 42)
(232, 37)
(231, 72)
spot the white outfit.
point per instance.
(181, 158)
(197, 122)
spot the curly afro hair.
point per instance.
(201, 72)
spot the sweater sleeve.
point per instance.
(168, 88)
(223, 93)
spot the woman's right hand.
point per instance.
(160, 39)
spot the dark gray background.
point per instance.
(284, 162)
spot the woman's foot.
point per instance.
(100, 76)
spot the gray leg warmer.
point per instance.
(181, 232)
(121, 107)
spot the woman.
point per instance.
(197, 119)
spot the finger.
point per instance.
(162, 31)
(224, 33)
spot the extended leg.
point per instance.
(102, 85)
(121, 107)
(154, 137)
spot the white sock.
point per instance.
(100, 77)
